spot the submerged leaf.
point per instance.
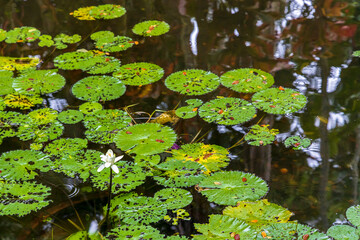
(151, 28)
(227, 111)
(9, 121)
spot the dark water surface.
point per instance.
(306, 45)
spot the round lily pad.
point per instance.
(107, 11)
(103, 65)
(151, 28)
(6, 82)
(145, 139)
(22, 101)
(228, 188)
(353, 215)
(83, 13)
(261, 135)
(70, 116)
(43, 116)
(108, 43)
(247, 80)
(22, 34)
(90, 107)
(192, 82)
(343, 232)
(140, 73)
(279, 100)
(189, 111)
(227, 111)
(297, 142)
(95, 88)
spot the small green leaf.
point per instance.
(62, 38)
(151, 28)
(353, 215)
(9, 121)
(70, 116)
(356, 54)
(46, 41)
(297, 142)
(189, 111)
(261, 135)
(22, 34)
(89, 108)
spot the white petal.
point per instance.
(107, 164)
(101, 167)
(115, 168)
(110, 153)
(118, 158)
(104, 158)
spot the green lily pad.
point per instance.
(147, 161)
(353, 215)
(343, 232)
(177, 173)
(40, 133)
(192, 82)
(129, 177)
(36, 146)
(12, 63)
(279, 100)
(189, 111)
(258, 213)
(2, 35)
(65, 146)
(22, 198)
(70, 116)
(107, 11)
(294, 231)
(297, 142)
(95, 88)
(227, 111)
(228, 188)
(103, 65)
(106, 41)
(23, 164)
(22, 34)
(135, 232)
(6, 82)
(140, 73)
(22, 101)
(62, 39)
(222, 227)
(83, 13)
(90, 107)
(261, 135)
(212, 157)
(46, 41)
(9, 121)
(356, 53)
(43, 116)
(103, 126)
(247, 80)
(145, 139)
(151, 28)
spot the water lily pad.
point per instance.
(151, 28)
(43, 116)
(247, 80)
(173, 198)
(147, 161)
(258, 213)
(192, 82)
(36, 146)
(90, 107)
(297, 142)
(189, 111)
(46, 41)
(227, 111)
(22, 34)
(106, 41)
(23, 164)
(213, 157)
(65, 146)
(177, 173)
(135, 232)
(6, 81)
(40, 133)
(222, 227)
(107, 11)
(105, 124)
(279, 100)
(261, 135)
(95, 88)
(70, 116)
(145, 139)
(356, 53)
(343, 232)
(83, 13)
(2, 35)
(22, 101)
(353, 215)
(294, 231)
(62, 39)
(12, 63)
(9, 121)
(228, 188)
(103, 65)
(140, 73)
(22, 198)
(129, 177)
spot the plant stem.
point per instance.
(109, 202)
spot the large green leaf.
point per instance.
(213, 157)
(293, 231)
(40, 133)
(343, 232)
(23, 164)
(258, 213)
(228, 188)
(6, 82)
(139, 73)
(297, 142)
(192, 82)
(247, 80)
(353, 215)
(180, 173)
(189, 111)
(22, 34)
(145, 139)
(65, 146)
(70, 116)
(38, 82)
(151, 28)
(135, 232)
(95, 88)
(227, 111)
(279, 100)
(222, 227)
(261, 135)
(13, 63)
(22, 198)
(43, 116)
(22, 101)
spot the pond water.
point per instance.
(306, 45)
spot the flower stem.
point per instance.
(109, 203)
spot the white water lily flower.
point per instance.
(110, 161)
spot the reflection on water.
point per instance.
(304, 44)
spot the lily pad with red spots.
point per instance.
(151, 28)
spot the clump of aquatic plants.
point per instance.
(150, 148)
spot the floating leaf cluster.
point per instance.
(261, 135)
(107, 41)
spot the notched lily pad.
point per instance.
(90, 107)
(297, 142)
(261, 135)
(96, 88)
(192, 82)
(247, 80)
(227, 111)
(22, 34)
(12, 63)
(279, 100)
(151, 28)
(140, 73)
(189, 111)
(70, 116)
(106, 41)
(62, 39)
